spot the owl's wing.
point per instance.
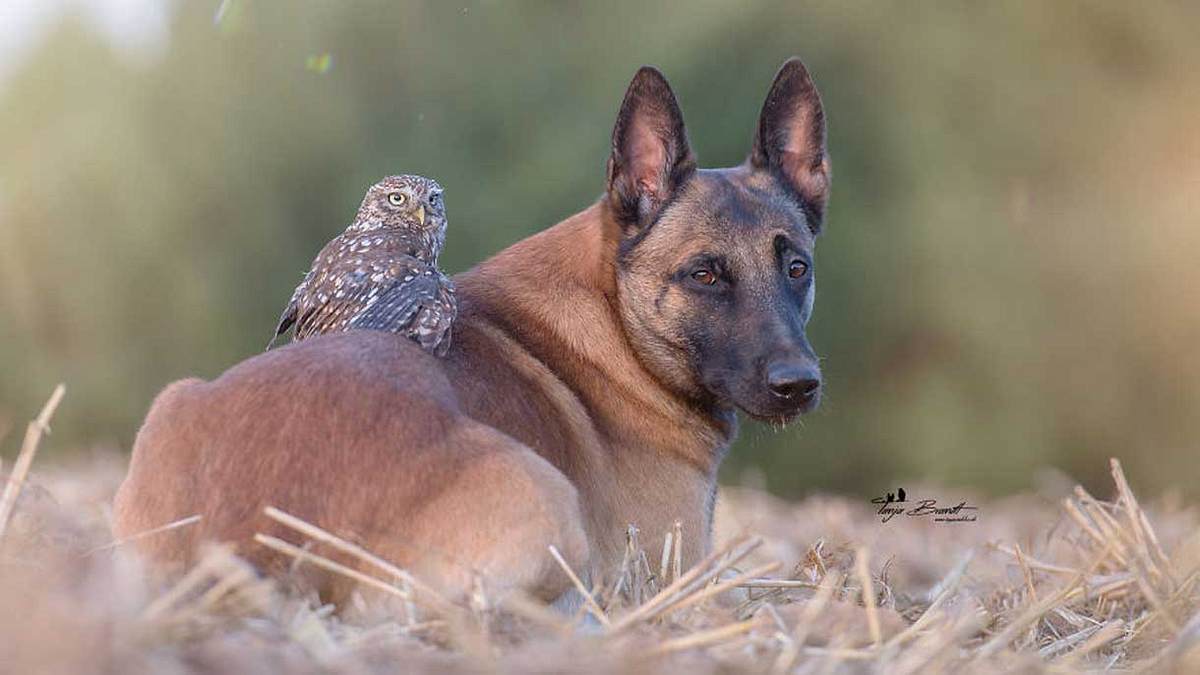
(397, 304)
(332, 308)
(339, 288)
(422, 307)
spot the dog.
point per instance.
(593, 382)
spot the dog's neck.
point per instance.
(559, 297)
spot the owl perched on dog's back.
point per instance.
(381, 273)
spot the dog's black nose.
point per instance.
(789, 379)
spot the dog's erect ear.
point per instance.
(650, 153)
(790, 141)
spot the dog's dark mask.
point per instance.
(715, 273)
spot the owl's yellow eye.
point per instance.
(397, 198)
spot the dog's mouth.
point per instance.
(779, 410)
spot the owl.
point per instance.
(381, 273)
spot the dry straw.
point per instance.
(33, 436)
(1107, 590)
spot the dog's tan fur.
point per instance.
(553, 420)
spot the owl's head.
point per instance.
(412, 203)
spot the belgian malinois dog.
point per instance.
(592, 383)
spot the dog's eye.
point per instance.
(397, 198)
(705, 277)
(797, 269)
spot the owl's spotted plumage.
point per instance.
(381, 273)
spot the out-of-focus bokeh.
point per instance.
(1008, 280)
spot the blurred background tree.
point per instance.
(1007, 281)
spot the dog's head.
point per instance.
(715, 267)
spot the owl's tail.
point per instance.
(285, 322)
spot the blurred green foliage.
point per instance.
(1007, 280)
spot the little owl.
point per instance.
(381, 273)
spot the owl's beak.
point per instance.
(421, 214)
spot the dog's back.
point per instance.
(314, 429)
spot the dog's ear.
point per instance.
(790, 141)
(650, 153)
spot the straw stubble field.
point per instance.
(1042, 582)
